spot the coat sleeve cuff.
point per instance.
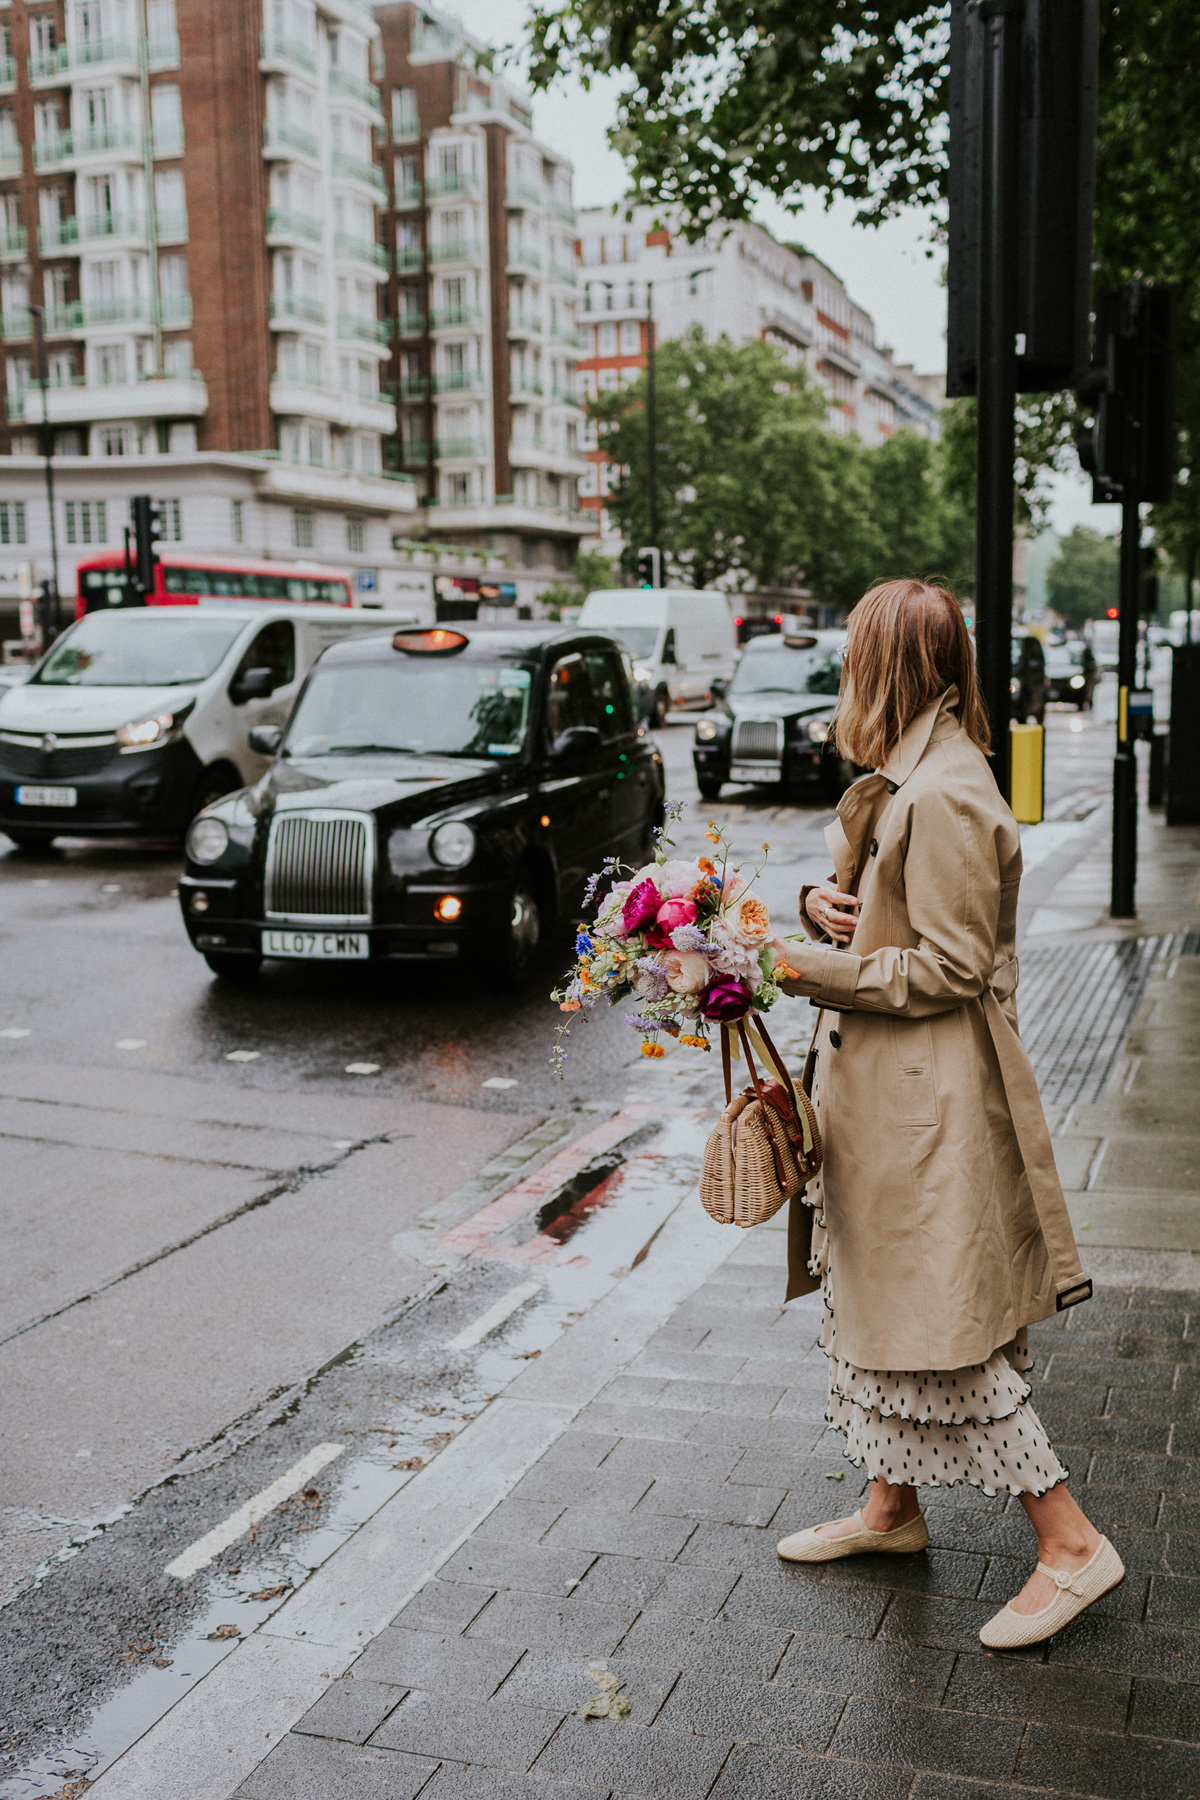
(826, 975)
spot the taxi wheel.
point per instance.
(231, 967)
(520, 936)
(710, 787)
(659, 708)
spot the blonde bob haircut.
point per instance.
(908, 642)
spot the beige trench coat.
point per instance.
(947, 1224)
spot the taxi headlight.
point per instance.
(207, 839)
(142, 734)
(642, 673)
(706, 731)
(452, 845)
(818, 730)
(1014, 687)
(1078, 681)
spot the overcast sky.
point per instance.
(887, 270)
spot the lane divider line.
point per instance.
(487, 1322)
(201, 1553)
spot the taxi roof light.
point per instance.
(436, 641)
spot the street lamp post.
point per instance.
(39, 341)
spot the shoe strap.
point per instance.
(1064, 1580)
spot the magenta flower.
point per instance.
(671, 914)
(641, 905)
(726, 999)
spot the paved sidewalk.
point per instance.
(639, 1546)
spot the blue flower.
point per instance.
(583, 943)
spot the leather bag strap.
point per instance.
(775, 1056)
(725, 1065)
(810, 1061)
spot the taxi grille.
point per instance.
(755, 739)
(319, 868)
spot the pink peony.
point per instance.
(641, 905)
(671, 914)
(686, 971)
(726, 999)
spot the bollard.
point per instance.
(1028, 744)
(1159, 754)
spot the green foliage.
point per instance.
(1081, 582)
(754, 491)
(592, 569)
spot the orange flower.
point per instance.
(653, 1050)
(712, 834)
(706, 865)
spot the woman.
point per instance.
(938, 1230)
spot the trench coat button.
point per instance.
(891, 787)
(874, 846)
(835, 1038)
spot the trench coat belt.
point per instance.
(1033, 1139)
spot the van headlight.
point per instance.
(642, 673)
(818, 730)
(706, 731)
(453, 844)
(143, 734)
(1078, 681)
(207, 839)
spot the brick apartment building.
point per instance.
(483, 300)
(742, 283)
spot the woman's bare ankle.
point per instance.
(889, 1506)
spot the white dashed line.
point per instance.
(130, 1044)
(362, 1068)
(15, 1031)
(499, 1081)
(242, 1055)
(202, 1552)
(504, 1308)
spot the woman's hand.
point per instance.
(833, 912)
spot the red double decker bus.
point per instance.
(184, 579)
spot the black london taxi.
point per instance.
(773, 722)
(436, 793)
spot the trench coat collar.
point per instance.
(916, 736)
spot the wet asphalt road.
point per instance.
(192, 1240)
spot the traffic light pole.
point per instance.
(997, 376)
(651, 422)
(1124, 835)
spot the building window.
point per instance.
(303, 522)
(631, 337)
(356, 534)
(458, 489)
(236, 522)
(114, 440)
(181, 439)
(171, 512)
(405, 123)
(86, 521)
(12, 522)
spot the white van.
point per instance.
(681, 640)
(137, 718)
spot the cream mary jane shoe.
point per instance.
(810, 1547)
(1077, 1591)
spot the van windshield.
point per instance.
(639, 640)
(142, 649)
(778, 670)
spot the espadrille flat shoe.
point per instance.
(810, 1547)
(1077, 1591)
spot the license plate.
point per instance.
(46, 796)
(754, 772)
(329, 946)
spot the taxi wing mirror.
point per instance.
(252, 684)
(265, 740)
(575, 740)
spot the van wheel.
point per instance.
(232, 967)
(213, 784)
(660, 706)
(27, 840)
(520, 935)
(710, 786)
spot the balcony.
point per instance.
(57, 236)
(11, 160)
(48, 68)
(562, 210)
(447, 318)
(524, 387)
(456, 250)
(522, 193)
(14, 240)
(292, 397)
(408, 193)
(358, 327)
(122, 143)
(568, 335)
(361, 250)
(410, 258)
(525, 256)
(451, 181)
(565, 276)
(278, 51)
(291, 310)
(459, 381)
(524, 325)
(145, 397)
(353, 168)
(48, 153)
(285, 225)
(413, 387)
(16, 323)
(414, 452)
(8, 74)
(283, 139)
(356, 87)
(411, 323)
(461, 449)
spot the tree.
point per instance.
(591, 569)
(1081, 582)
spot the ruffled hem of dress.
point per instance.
(840, 1373)
(857, 1454)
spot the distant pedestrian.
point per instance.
(938, 1230)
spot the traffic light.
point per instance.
(1129, 446)
(1148, 593)
(147, 531)
(649, 568)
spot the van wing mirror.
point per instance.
(265, 740)
(252, 684)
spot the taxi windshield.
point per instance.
(142, 649)
(413, 707)
(780, 670)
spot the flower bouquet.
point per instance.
(690, 941)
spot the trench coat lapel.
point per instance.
(860, 806)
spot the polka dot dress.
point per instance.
(932, 1427)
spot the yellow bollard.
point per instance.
(1028, 772)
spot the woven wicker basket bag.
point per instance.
(765, 1147)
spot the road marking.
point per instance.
(15, 1031)
(362, 1068)
(499, 1081)
(495, 1315)
(130, 1044)
(202, 1552)
(242, 1055)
